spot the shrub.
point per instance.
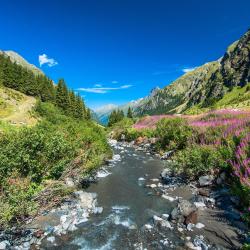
(44, 152)
(196, 159)
(173, 133)
(16, 200)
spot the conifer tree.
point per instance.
(62, 96)
(129, 113)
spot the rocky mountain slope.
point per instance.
(203, 86)
(16, 58)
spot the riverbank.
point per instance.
(168, 212)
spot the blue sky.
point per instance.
(114, 51)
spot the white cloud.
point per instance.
(103, 90)
(186, 70)
(44, 59)
(98, 85)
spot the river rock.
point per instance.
(69, 182)
(204, 192)
(166, 155)
(153, 185)
(140, 140)
(191, 218)
(206, 180)
(191, 246)
(4, 244)
(112, 142)
(174, 214)
(199, 242)
(87, 200)
(153, 140)
(199, 225)
(87, 180)
(148, 226)
(39, 233)
(167, 197)
(98, 210)
(158, 221)
(186, 207)
(51, 239)
(165, 176)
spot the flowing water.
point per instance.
(127, 206)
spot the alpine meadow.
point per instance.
(125, 125)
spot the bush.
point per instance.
(16, 200)
(196, 159)
(173, 133)
(45, 152)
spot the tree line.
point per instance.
(118, 115)
(24, 80)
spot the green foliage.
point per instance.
(197, 159)
(115, 116)
(124, 127)
(16, 200)
(173, 133)
(246, 247)
(45, 152)
(19, 78)
(130, 113)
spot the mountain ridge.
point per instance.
(18, 59)
(204, 85)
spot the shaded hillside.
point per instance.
(205, 85)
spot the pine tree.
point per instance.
(129, 113)
(88, 114)
(62, 96)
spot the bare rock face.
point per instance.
(235, 65)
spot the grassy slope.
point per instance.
(238, 97)
(16, 108)
(38, 158)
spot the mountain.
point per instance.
(103, 112)
(16, 58)
(204, 86)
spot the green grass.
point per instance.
(238, 97)
(48, 151)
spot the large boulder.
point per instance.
(184, 212)
(206, 180)
(186, 207)
(87, 200)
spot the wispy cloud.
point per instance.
(186, 70)
(114, 82)
(103, 90)
(98, 85)
(44, 59)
